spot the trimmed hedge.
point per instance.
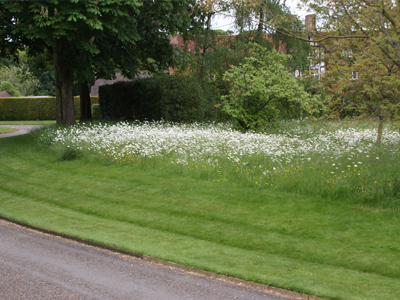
(173, 98)
(35, 108)
(96, 112)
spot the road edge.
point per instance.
(193, 271)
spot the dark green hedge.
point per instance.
(173, 98)
(26, 109)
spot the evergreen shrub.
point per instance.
(174, 98)
(96, 112)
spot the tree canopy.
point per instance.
(92, 38)
(256, 21)
(17, 78)
(273, 18)
(263, 91)
(362, 42)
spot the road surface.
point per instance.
(22, 129)
(36, 265)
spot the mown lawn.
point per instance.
(6, 129)
(44, 122)
(312, 244)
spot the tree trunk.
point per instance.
(64, 83)
(260, 29)
(205, 48)
(86, 108)
(380, 129)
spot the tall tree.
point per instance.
(215, 51)
(87, 37)
(363, 56)
(152, 51)
(41, 66)
(270, 23)
(66, 27)
(202, 34)
(18, 76)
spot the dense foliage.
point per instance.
(174, 98)
(362, 51)
(270, 23)
(209, 53)
(33, 108)
(27, 76)
(16, 78)
(263, 91)
(91, 38)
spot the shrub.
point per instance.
(33, 108)
(69, 153)
(6, 86)
(263, 91)
(173, 98)
(16, 109)
(96, 112)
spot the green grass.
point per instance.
(6, 129)
(27, 122)
(315, 245)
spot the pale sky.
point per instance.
(293, 7)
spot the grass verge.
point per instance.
(6, 129)
(45, 122)
(308, 244)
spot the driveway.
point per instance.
(36, 265)
(22, 129)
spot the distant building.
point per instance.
(118, 77)
(317, 65)
(4, 94)
(228, 40)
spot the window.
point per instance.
(314, 72)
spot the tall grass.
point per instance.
(336, 160)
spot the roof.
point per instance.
(4, 94)
(118, 78)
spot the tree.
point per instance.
(65, 27)
(89, 38)
(41, 66)
(214, 52)
(271, 24)
(263, 91)
(205, 39)
(19, 77)
(152, 51)
(6, 86)
(363, 56)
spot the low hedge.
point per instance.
(96, 111)
(173, 98)
(35, 108)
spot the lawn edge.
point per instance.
(192, 271)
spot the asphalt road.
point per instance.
(35, 265)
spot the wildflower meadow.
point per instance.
(340, 162)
